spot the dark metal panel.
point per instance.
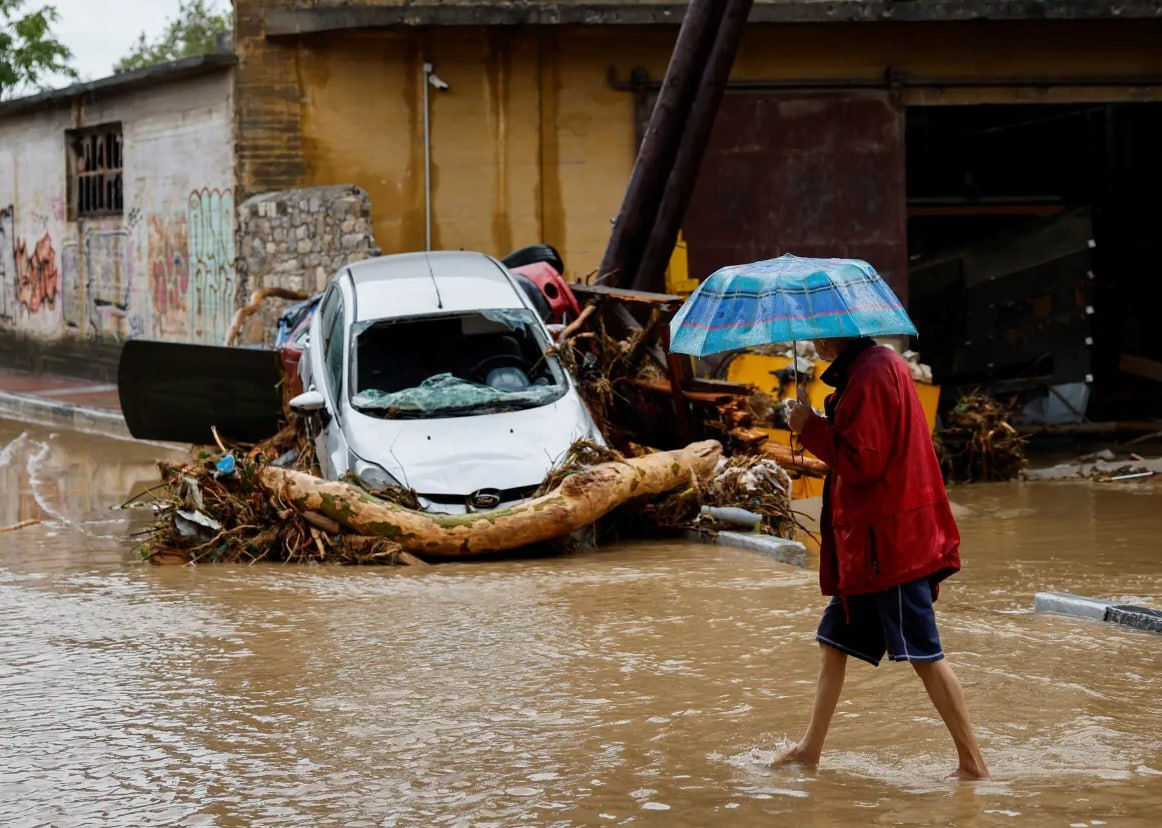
(1011, 308)
(814, 174)
(174, 391)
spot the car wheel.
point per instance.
(535, 253)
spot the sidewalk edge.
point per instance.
(38, 411)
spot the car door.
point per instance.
(328, 371)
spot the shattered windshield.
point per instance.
(454, 365)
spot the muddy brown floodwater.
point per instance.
(646, 684)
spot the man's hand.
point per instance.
(797, 416)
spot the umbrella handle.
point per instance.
(800, 387)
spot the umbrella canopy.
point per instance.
(786, 299)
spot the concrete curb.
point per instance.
(777, 549)
(63, 415)
(1080, 606)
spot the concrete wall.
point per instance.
(165, 268)
(532, 144)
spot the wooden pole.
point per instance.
(660, 144)
(680, 184)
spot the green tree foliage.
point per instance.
(195, 31)
(28, 49)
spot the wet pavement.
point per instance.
(48, 387)
(646, 684)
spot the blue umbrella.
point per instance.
(783, 300)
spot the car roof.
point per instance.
(411, 284)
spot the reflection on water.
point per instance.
(650, 683)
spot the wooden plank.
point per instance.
(660, 386)
(1138, 366)
(737, 389)
(665, 301)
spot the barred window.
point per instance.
(95, 162)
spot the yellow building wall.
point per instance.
(532, 144)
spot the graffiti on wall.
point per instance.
(169, 272)
(29, 279)
(212, 287)
(37, 277)
(97, 273)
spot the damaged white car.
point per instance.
(435, 372)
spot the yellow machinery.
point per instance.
(759, 371)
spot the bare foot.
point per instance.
(797, 755)
(969, 774)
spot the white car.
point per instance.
(433, 371)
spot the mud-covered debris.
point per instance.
(977, 443)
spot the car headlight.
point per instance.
(373, 478)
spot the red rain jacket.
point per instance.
(886, 518)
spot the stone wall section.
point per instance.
(298, 239)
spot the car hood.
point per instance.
(461, 455)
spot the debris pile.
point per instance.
(1102, 467)
(758, 485)
(242, 508)
(977, 443)
(266, 502)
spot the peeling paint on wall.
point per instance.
(108, 268)
(7, 268)
(97, 273)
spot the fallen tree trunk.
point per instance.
(580, 500)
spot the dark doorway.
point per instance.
(1032, 236)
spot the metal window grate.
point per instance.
(97, 166)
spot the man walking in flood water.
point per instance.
(888, 538)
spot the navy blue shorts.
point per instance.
(898, 621)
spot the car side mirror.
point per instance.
(308, 401)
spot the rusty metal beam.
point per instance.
(659, 146)
(304, 21)
(651, 271)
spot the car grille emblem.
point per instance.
(485, 499)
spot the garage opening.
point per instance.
(1033, 241)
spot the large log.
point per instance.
(580, 500)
